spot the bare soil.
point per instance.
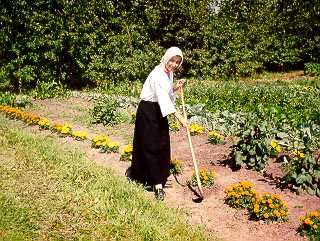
(219, 219)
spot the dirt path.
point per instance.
(221, 220)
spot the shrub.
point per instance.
(106, 111)
(45, 90)
(312, 69)
(250, 149)
(241, 195)
(7, 98)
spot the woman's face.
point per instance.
(173, 63)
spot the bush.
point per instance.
(51, 89)
(312, 69)
(107, 111)
(251, 150)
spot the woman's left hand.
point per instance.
(180, 83)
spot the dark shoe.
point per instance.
(159, 194)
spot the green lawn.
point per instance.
(51, 192)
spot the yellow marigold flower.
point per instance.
(276, 196)
(65, 130)
(128, 148)
(301, 154)
(308, 221)
(113, 144)
(314, 214)
(271, 205)
(256, 208)
(301, 218)
(266, 215)
(269, 201)
(276, 213)
(278, 149)
(274, 143)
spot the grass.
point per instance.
(50, 192)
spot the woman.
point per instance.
(151, 143)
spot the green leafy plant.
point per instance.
(300, 166)
(107, 112)
(241, 195)
(310, 225)
(45, 90)
(312, 69)
(251, 150)
(7, 98)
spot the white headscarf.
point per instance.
(172, 51)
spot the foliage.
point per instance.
(176, 167)
(310, 225)
(206, 177)
(301, 169)
(106, 111)
(94, 44)
(45, 90)
(215, 137)
(251, 150)
(312, 69)
(7, 98)
(270, 208)
(241, 195)
(280, 102)
(126, 153)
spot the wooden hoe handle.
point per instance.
(191, 147)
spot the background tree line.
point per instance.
(90, 43)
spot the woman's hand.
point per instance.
(181, 119)
(180, 83)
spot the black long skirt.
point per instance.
(151, 146)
